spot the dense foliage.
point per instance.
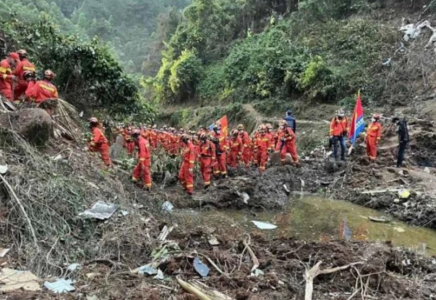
(134, 28)
(252, 51)
(88, 76)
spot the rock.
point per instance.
(34, 124)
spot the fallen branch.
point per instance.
(315, 271)
(252, 255)
(201, 293)
(14, 196)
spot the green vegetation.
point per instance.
(88, 76)
(227, 51)
(134, 28)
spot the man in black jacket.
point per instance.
(403, 138)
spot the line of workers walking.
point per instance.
(215, 152)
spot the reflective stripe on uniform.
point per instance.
(47, 88)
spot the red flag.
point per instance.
(357, 123)
(224, 125)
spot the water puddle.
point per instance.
(316, 219)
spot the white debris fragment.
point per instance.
(264, 225)
(3, 169)
(60, 286)
(100, 210)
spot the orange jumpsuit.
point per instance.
(99, 143)
(262, 145)
(23, 66)
(338, 127)
(253, 147)
(246, 148)
(153, 139)
(144, 162)
(6, 79)
(221, 148)
(373, 136)
(130, 143)
(175, 144)
(41, 91)
(207, 157)
(186, 173)
(235, 151)
(287, 144)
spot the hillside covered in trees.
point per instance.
(133, 28)
(271, 53)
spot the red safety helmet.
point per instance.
(48, 74)
(93, 120)
(14, 56)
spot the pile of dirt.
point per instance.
(35, 125)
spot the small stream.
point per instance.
(314, 218)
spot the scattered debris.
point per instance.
(245, 197)
(201, 293)
(93, 275)
(147, 269)
(399, 229)
(73, 267)
(100, 210)
(160, 275)
(379, 219)
(93, 185)
(57, 157)
(60, 286)
(94, 297)
(164, 233)
(257, 273)
(11, 280)
(285, 186)
(124, 213)
(264, 225)
(427, 170)
(404, 194)
(3, 169)
(201, 268)
(213, 241)
(167, 206)
(3, 252)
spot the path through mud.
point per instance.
(313, 218)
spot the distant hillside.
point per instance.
(130, 26)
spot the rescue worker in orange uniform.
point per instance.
(262, 146)
(235, 149)
(153, 137)
(186, 173)
(43, 90)
(207, 158)
(144, 159)
(220, 167)
(6, 75)
(287, 143)
(99, 142)
(130, 143)
(246, 145)
(338, 133)
(373, 137)
(270, 134)
(24, 66)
